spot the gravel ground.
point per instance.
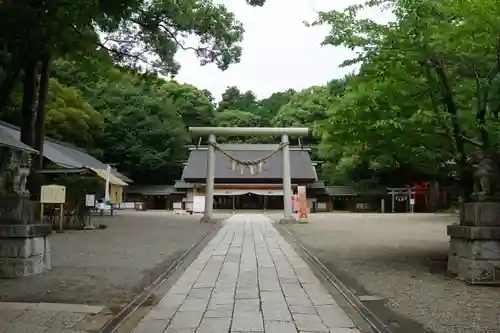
(402, 258)
(109, 267)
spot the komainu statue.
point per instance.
(14, 171)
(8, 167)
(486, 179)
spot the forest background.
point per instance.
(101, 76)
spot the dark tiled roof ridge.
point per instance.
(62, 143)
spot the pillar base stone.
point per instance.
(288, 220)
(24, 250)
(474, 254)
(206, 219)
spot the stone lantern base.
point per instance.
(474, 254)
(24, 244)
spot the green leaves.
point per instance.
(427, 80)
(67, 113)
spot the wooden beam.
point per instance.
(250, 131)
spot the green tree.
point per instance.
(69, 113)
(271, 105)
(144, 134)
(194, 106)
(237, 118)
(137, 34)
(234, 99)
(424, 79)
(305, 108)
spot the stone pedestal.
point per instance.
(474, 254)
(24, 244)
(285, 220)
(205, 219)
(24, 250)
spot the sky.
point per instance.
(279, 51)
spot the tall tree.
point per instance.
(138, 34)
(419, 75)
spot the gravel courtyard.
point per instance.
(109, 267)
(402, 259)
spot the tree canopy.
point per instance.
(424, 100)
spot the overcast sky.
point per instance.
(279, 52)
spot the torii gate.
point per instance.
(284, 132)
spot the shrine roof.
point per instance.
(8, 140)
(152, 190)
(301, 166)
(63, 154)
(341, 190)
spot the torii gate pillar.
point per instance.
(284, 132)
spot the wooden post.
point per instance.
(393, 203)
(61, 217)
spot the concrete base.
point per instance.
(474, 254)
(206, 219)
(485, 214)
(290, 220)
(24, 250)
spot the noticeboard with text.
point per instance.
(53, 194)
(90, 200)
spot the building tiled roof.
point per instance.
(151, 189)
(340, 190)
(301, 166)
(63, 154)
(7, 139)
(181, 185)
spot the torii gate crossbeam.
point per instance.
(284, 132)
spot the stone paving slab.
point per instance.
(50, 318)
(247, 279)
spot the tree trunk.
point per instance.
(7, 86)
(28, 107)
(433, 196)
(466, 178)
(40, 111)
(35, 180)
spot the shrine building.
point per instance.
(239, 187)
(235, 190)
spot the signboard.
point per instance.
(302, 202)
(53, 194)
(198, 204)
(89, 200)
(177, 205)
(412, 201)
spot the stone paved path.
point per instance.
(247, 279)
(50, 318)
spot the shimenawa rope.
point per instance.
(250, 163)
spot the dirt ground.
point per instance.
(402, 259)
(109, 267)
